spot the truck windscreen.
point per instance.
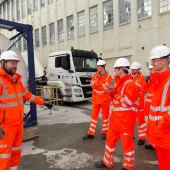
(84, 64)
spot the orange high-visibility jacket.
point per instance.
(159, 116)
(101, 86)
(12, 94)
(125, 110)
(139, 80)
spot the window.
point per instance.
(60, 30)
(35, 5)
(8, 10)
(19, 45)
(81, 23)
(29, 6)
(50, 1)
(52, 32)
(70, 27)
(58, 62)
(44, 35)
(144, 8)
(108, 13)
(37, 38)
(4, 11)
(93, 19)
(25, 44)
(13, 10)
(124, 11)
(42, 3)
(18, 9)
(164, 5)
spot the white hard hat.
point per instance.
(160, 51)
(150, 66)
(101, 63)
(122, 62)
(135, 65)
(9, 55)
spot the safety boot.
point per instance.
(86, 137)
(141, 142)
(100, 164)
(149, 147)
(104, 136)
(124, 169)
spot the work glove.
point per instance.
(2, 133)
(48, 105)
(113, 92)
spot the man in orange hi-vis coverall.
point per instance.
(100, 84)
(139, 80)
(12, 94)
(159, 115)
(123, 118)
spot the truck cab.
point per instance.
(72, 71)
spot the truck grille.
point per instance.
(87, 91)
(85, 80)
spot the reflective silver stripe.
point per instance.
(155, 118)
(92, 82)
(115, 101)
(104, 128)
(92, 120)
(129, 153)
(164, 95)
(128, 101)
(14, 168)
(17, 148)
(159, 109)
(104, 86)
(148, 100)
(126, 134)
(107, 84)
(12, 104)
(92, 130)
(107, 162)
(141, 131)
(97, 91)
(106, 120)
(129, 159)
(124, 105)
(143, 134)
(138, 85)
(109, 149)
(127, 165)
(3, 146)
(137, 101)
(32, 98)
(5, 155)
(125, 109)
(10, 96)
(104, 125)
(142, 126)
(169, 112)
(123, 88)
(108, 155)
(92, 125)
(149, 94)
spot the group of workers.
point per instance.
(133, 97)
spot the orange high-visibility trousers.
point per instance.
(94, 117)
(142, 127)
(163, 155)
(10, 147)
(127, 145)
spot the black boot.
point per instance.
(124, 169)
(88, 137)
(104, 136)
(100, 164)
(141, 142)
(149, 147)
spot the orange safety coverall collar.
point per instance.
(12, 94)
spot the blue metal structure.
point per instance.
(30, 118)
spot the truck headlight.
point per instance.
(77, 90)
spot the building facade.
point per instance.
(111, 28)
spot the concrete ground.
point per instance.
(60, 145)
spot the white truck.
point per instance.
(72, 71)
